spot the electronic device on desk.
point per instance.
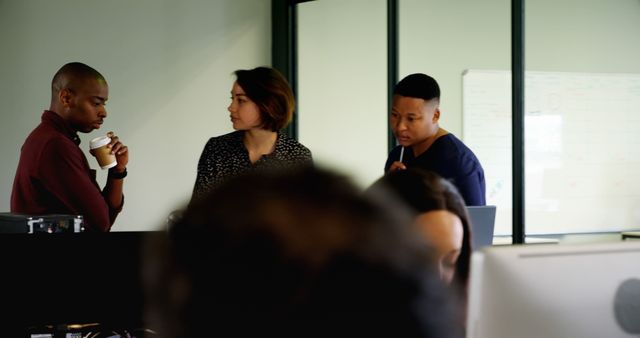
(93, 330)
(11, 223)
(483, 220)
(630, 235)
(555, 291)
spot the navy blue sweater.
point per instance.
(451, 159)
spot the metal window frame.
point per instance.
(284, 58)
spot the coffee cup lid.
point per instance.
(99, 142)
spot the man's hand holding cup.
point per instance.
(110, 152)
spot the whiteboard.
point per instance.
(582, 148)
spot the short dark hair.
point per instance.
(70, 74)
(425, 191)
(303, 252)
(419, 86)
(271, 92)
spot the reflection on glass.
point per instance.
(582, 106)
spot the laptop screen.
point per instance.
(482, 220)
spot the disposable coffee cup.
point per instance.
(102, 153)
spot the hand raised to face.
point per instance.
(120, 150)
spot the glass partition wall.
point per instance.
(465, 46)
(342, 86)
(582, 116)
(581, 99)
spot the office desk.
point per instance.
(501, 240)
(630, 235)
(71, 278)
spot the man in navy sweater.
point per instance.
(423, 144)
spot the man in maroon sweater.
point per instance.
(53, 175)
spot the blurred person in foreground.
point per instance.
(440, 216)
(303, 254)
(440, 219)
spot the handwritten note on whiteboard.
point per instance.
(582, 148)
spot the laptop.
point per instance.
(482, 220)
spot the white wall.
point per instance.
(342, 86)
(442, 38)
(595, 36)
(169, 66)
